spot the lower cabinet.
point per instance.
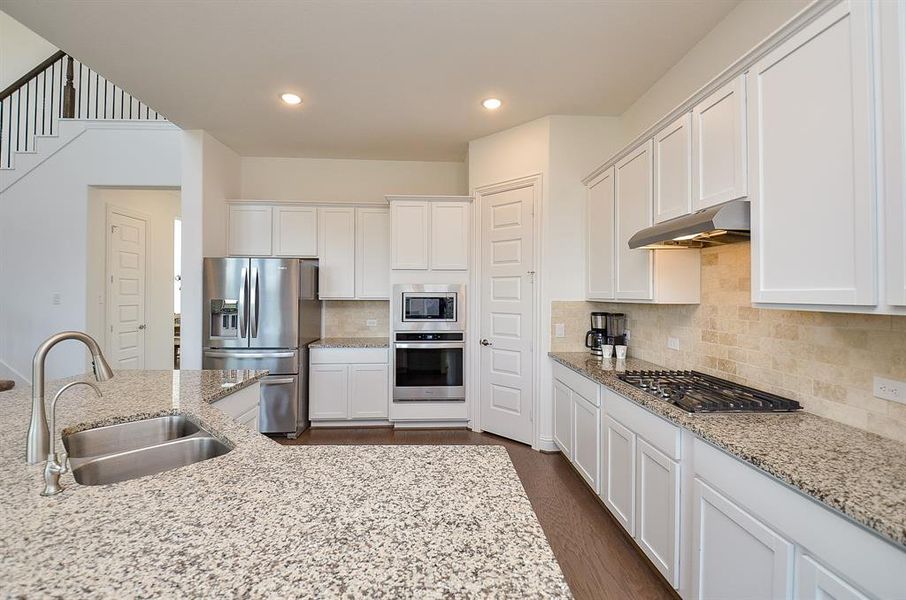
(577, 423)
(618, 490)
(586, 439)
(815, 582)
(349, 384)
(563, 416)
(657, 509)
(242, 406)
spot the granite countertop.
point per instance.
(265, 520)
(352, 342)
(858, 473)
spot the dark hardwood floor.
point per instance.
(597, 558)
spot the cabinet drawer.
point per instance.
(346, 356)
(664, 436)
(585, 387)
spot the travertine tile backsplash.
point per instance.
(348, 318)
(826, 361)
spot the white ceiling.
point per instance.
(392, 79)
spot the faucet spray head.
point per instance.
(102, 370)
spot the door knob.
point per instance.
(485, 342)
(142, 326)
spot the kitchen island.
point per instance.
(264, 519)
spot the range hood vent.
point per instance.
(725, 223)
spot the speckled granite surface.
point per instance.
(265, 520)
(855, 472)
(351, 342)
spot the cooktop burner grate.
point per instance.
(697, 392)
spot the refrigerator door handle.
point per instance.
(253, 302)
(243, 311)
(215, 354)
(277, 381)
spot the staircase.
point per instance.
(35, 109)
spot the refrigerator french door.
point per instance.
(261, 313)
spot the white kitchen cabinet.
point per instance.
(249, 230)
(372, 253)
(811, 123)
(409, 233)
(815, 582)
(719, 146)
(336, 241)
(657, 509)
(736, 556)
(449, 236)
(633, 212)
(368, 391)
(586, 439)
(563, 418)
(618, 472)
(295, 231)
(599, 240)
(328, 392)
(672, 148)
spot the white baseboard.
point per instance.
(547, 445)
(7, 372)
(431, 425)
(337, 423)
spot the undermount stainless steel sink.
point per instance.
(123, 437)
(125, 451)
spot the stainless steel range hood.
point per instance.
(722, 224)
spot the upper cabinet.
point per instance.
(633, 212)
(599, 248)
(295, 231)
(372, 247)
(673, 170)
(719, 146)
(336, 270)
(810, 114)
(430, 233)
(249, 230)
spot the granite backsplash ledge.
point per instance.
(826, 361)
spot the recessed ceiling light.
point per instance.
(291, 98)
(491, 103)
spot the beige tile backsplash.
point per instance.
(826, 361)
(348, 318)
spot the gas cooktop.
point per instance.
(696, 392)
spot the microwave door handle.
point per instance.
(253, 304)
(243, 308)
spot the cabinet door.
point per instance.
(409, 235)
(328, 387)
(586, 439)
(599, 245)
(449, 236)
(736, 556)
(633, 212)
(249, 230)
(368, 392)
(618, 476)
(673, 170)
(563, 418)
(657, 509)
(813, 211)
(372, 253)
(336, 268)
(719, 146)
(892, 22)
(815, 582)
(295, 231)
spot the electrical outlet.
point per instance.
(371, 323)
(56, 298)
(890, 389)
(626, 333)
(673, 343)
(559, 330)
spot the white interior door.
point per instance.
(126, 268)
(507, 311)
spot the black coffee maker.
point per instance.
(616, 329)
(596, 337)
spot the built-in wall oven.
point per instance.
(428, 343)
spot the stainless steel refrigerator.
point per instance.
(261, 313)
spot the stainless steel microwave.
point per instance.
(429, 307)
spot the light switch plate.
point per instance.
(673, 343)
(559, 330)
(890, 389)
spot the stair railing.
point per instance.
(60, 87)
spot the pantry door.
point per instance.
(507, 282)
(126, 268)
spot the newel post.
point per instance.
(68, 92)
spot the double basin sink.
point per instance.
(124, 451)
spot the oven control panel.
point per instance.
(429, 337)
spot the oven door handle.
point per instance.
(429, 345)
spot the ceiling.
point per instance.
(389, 79)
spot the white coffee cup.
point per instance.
(606, 350)
(621, 352)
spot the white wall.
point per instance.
(43, 234)
(339, 180)
(21, 49)
(162, 208)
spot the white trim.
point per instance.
(428, 198)
(536, 181)
(112, 209)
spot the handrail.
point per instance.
(11, 88)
